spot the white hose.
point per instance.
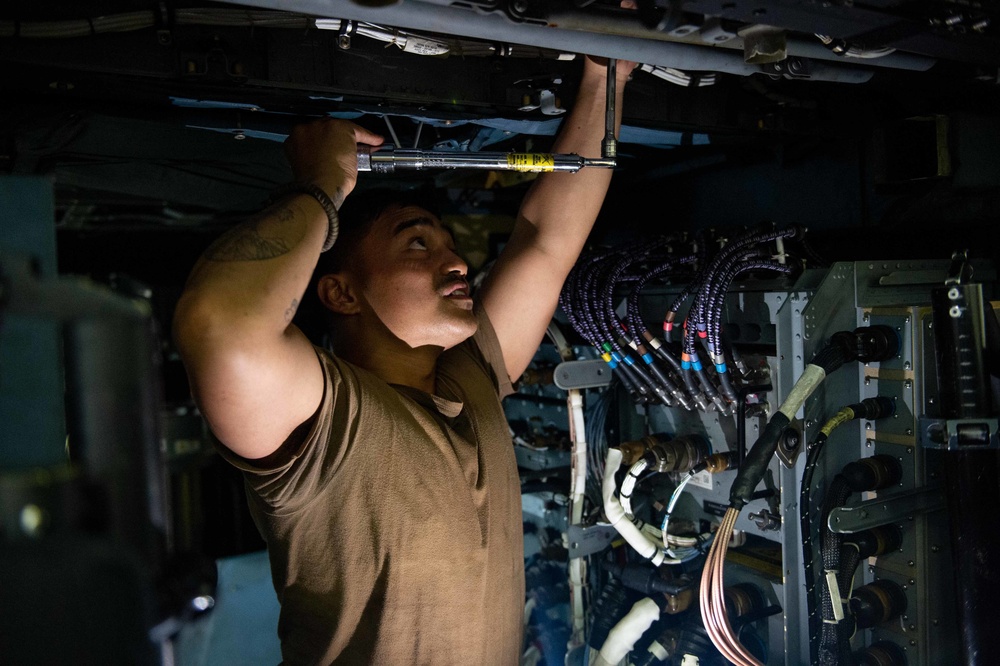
(616, 514)
(623, 636)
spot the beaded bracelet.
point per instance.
(317, 193)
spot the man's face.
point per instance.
(413, 281)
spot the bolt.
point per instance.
(911, 563)
(239, 136)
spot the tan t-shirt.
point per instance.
(394, 531)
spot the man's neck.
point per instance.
(416, 368)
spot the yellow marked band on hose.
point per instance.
(531, 162)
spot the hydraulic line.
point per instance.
(723, 256)
(716, 300)
(599, 286)
(581, 317)
(647, 371)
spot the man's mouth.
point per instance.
(457, 289)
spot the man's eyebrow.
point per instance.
(422, 220)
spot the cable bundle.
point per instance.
(649, 369)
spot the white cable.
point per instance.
(578, 487)
(679, 77)
(623, 636)
(670, 509)
(628, 485)
(578, 471)
(616, 515)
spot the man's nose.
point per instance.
(455, 264)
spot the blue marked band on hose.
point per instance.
(685, 365)
(615, 355)
(696, 365)
(648, 358)
(628, 360)
(720, 368)
(612, 364)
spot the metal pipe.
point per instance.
(416, 15)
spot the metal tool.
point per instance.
(389, 159)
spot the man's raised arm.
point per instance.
(253, 374)
(522, 290)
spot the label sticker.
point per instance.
(531, 161)
(702, 479)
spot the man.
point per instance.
(382, 475)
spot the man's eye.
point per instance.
(418, 244)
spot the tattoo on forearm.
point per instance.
(245, 242)
(290, 312)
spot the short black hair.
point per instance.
(361, 208)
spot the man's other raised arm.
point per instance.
(521, 292)
(253, 374)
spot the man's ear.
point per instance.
(336, 294)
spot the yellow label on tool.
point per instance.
(531, 162)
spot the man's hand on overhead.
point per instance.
(598, 66)
(324, 152)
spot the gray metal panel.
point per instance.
(31, 378)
